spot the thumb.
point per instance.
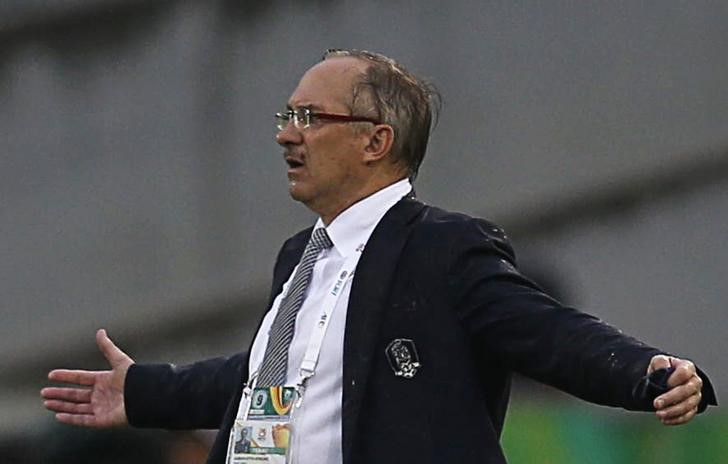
(659, 362)
(111, 352)
(684, 371)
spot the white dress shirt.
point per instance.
(317, 423)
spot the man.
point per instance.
(242, 445)
(416, 316)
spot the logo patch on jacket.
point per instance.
(402, 356)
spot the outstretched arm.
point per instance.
(95, 398)
(533, 334)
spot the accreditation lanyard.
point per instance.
(316, 339)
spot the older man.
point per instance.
(389, 320)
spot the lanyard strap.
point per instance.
(310, 358)
(315, 342)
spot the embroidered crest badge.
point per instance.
(402, 356)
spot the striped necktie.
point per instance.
(275, 361)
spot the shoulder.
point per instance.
(435, 217)
(297, 240)
(459, 230)
(291, 251)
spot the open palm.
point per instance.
(94, 398)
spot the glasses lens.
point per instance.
(302, 118)
(282, 120)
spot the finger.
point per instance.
(684, 370)
(111, 352)
(679, 409)
(679, 393)
(659, 361)
(82, 420)
(74, 395)
(75, 376)
(68, 407)
(687, 417)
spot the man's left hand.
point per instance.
(680, 404)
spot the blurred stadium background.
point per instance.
(142, 190)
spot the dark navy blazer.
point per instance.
(449, 283)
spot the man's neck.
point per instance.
(327, 217)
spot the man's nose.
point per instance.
(290, 134)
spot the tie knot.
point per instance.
(320, 240)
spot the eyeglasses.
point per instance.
(304, 117)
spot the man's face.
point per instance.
(324, 160)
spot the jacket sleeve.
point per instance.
(509, 316)
(189, 397)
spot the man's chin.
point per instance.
(297, 191)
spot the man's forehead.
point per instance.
(328, 82)
(339, 65)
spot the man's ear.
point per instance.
(379, 144)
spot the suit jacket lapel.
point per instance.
(369, 291)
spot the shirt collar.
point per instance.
(352, 227)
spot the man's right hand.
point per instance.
(96, 398)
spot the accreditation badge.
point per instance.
(264, 437)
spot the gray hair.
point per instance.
(395, 96)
